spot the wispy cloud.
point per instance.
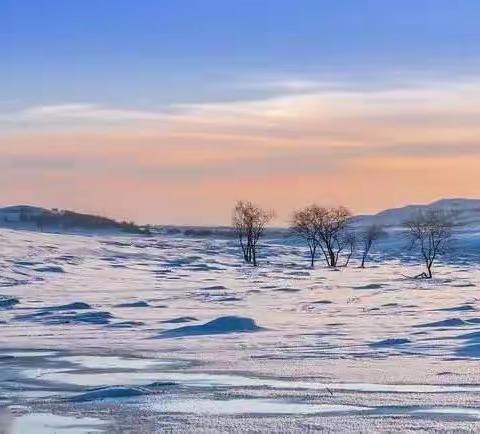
(312, 100)
(81, 112)
(287, 84)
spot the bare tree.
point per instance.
(431, 231)
(249, 222)
(304, 225)
(369, 236)
(331, 231)
(240, 224)
(325, 229)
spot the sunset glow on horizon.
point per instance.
(218, 101)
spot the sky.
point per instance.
(168, 111)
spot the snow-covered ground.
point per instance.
(127, 334)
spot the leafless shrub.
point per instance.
(249, 222)
(350, 240)
(430, 231)
(331, 231)
(304, 225)
(369, 236)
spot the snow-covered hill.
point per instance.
(467, 213)
(35, 218)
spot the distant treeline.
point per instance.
(220, 232)
(65, 219)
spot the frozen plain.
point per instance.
(133, 334)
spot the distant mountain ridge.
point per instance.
(42, 219)
(467, 213)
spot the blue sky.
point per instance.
(153, 52)
(169, 110)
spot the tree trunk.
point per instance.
(254, 256)
(312, 256)
(429, 268)
(248, 257)
(245, 253)
(368, 245)
(325, 255)
(333, 262)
